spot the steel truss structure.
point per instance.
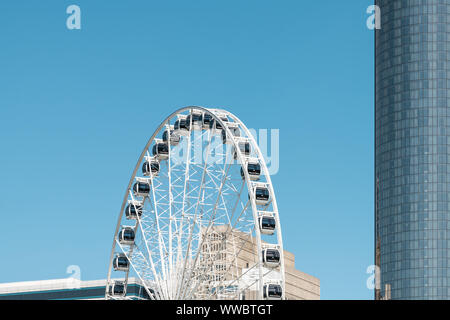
(199, 219)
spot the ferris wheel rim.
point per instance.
(241, 161)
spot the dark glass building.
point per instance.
(412, 152)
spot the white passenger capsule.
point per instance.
(195, 118)
(174, 137)
(235, 132)
(262, 194)
(215, 126)
(117, 289)
(243, 147)
(253, 169)
(141, 188)
(126, 236)
(133, 210)
(160, 150)
(180, 126)
(272, 291)
(267, 223)
(150, 167)
(271, 257)
(120, 262)
(206, 120)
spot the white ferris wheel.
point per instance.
(199, 219)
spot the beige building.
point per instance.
(299, 285)
(219, 263)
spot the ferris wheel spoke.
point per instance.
(138, 272)
(223, 201)
(184, 193)
(194, 222)
(221, 287)
(235, 256)
(155, 225)
(214, 211)
(150, 256)
(170, 262)
(161, 242)
(229, 230)
(254, 281)
(238, 198)
(248, 285)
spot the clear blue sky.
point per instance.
(77, 107)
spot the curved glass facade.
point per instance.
(412, 152)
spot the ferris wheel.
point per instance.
(199, 219)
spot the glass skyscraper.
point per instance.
(412, 151)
